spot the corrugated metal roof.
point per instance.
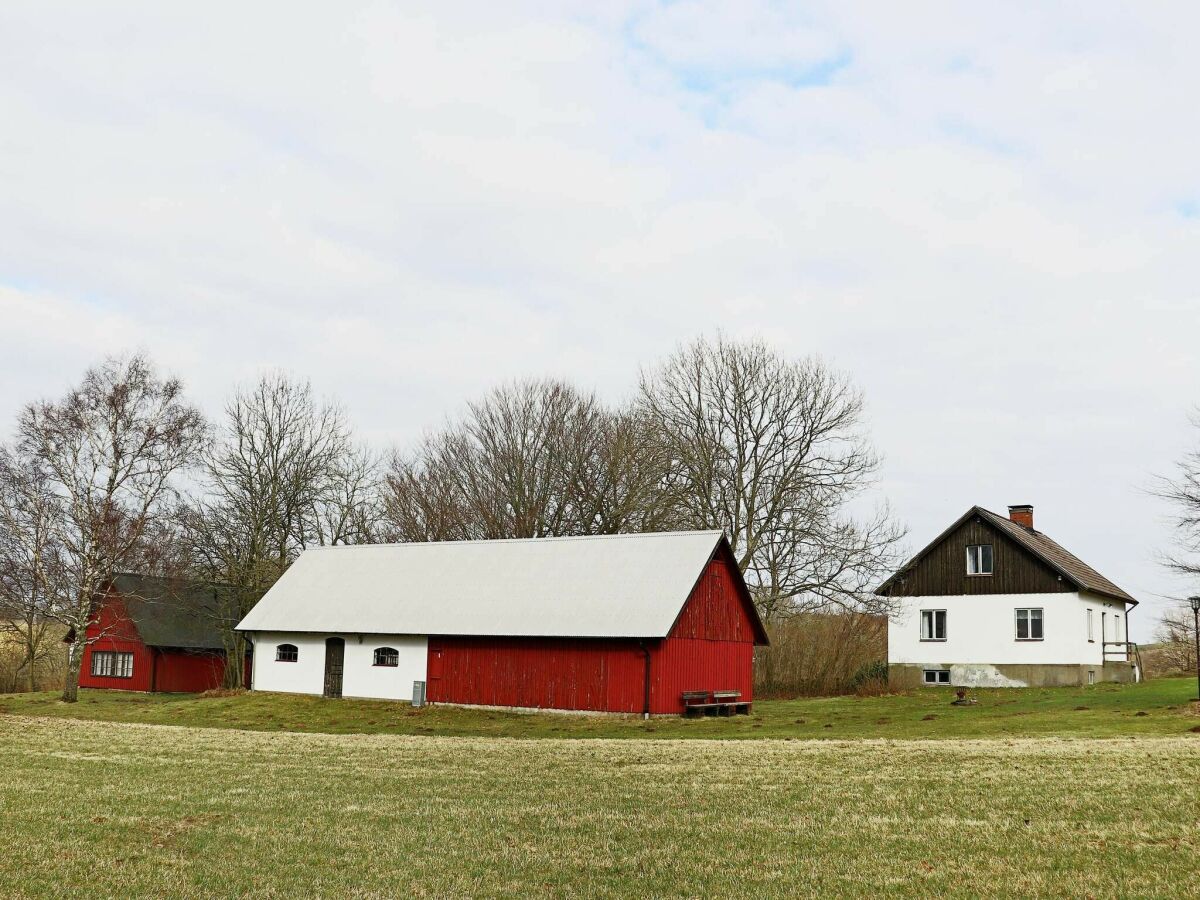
(171, 612)
(626, 585)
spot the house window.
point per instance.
(1029, 625)
(1091, 677)
(109, 664)
(933, 624)
(937, 676)
(1116, 628)
(387, 656)
(979, 559)
(286, 653)
(1091, 628)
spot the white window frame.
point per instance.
(1029, 611)
(975, 560)
(292, 648)
(1091, 622)
(112, 664)
(939, 676)
(391, 657)
(933, 620)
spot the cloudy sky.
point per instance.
(989, 214)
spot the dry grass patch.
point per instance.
(118, 809)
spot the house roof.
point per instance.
(171, 612)
(627, 585)
(1050, 552)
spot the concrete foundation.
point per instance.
(905, 676)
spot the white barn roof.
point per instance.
(627, 585)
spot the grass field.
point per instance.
(114, 809)
(1158, 707)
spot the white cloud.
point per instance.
(977, 211)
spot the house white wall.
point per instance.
(360, 677)
(981, 629)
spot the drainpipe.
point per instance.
(646, 686)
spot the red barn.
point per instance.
(154, 634)
(634, 623)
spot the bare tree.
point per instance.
(32, 570)
(1182, 493)
(1176, 636)
(281, 477)
(531, 459)
(110, 449)
(773, 451)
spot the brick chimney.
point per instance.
(1022, 514)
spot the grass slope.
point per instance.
(1158, 707)
(110, 809)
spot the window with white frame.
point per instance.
(1116, 628)
(933, 624)
(286, 653)
(979, 559)
(1029, 625)
(111, 664)
(1091, 628)
(937, 676)
(387, 656)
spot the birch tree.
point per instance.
(774, 452)
(109, 449)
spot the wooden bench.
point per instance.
(723, 703)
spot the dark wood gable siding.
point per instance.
(942, 572)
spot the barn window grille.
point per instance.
(387, 656)
(110, 664)
(286, 653)
(979, 559)
(1029, 625)
(933, 624)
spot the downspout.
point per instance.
(646, 685)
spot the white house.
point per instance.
(993, 602)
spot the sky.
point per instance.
(988, 214)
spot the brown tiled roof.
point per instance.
(1057, 557)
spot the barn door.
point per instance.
(335, 658)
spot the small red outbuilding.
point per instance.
(154, 634)
(632, 623)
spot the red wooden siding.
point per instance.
(154, 668)
(546, 673)
(710, 647)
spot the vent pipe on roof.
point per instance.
(1022, 514)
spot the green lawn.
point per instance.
(91, 808)
(1159, 707)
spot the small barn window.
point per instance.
(286, 653)
(933, 624)
(387, 656)
(109, 664)
(979, 559)
(1029, 625)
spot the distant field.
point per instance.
(110, 809)
(1158, 707)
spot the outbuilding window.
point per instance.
(979, 559)
(937, 676)
(286, 653)
(933, 624)
(1029, 625)
(110, 664)
(387, 656)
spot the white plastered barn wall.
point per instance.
(981, 630)
(360, 676)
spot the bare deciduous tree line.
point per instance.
(124, 474)
(1177, 630)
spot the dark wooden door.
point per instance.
(335, 659)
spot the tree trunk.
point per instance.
(70, 692)
(235, 663)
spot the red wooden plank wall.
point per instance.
(711, 647)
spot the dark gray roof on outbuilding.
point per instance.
(172, 612)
